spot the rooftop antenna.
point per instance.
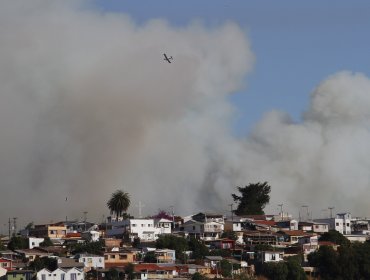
(331, 211)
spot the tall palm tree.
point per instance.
(119, 203)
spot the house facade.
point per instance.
(91, 261)
(145, 229)
(6, 264)
(60, 274)
(341, 223)
(118, 258)
(52, 231)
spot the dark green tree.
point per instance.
(362, 257)
(130, 271)
(226, 268)
(198, 276)
(349, 263)
(119, 203)
(230, 235)
(44, 262)
(295, 270)
(198, 248)
(326, 259)
(179, 244)
(253, 199)
(47, 242)
(275, 270)
(150, 257)
(18, 242)
(113, 274)
(335, 237)
(95, 248)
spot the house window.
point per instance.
(133, 225)
(123, 257)
(273, 257)
(193, 227)
(73, 276)
(43, 276)
(113, 256)
(347, 224)
(62, 276)
(337, 224)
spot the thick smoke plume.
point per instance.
(87, 105)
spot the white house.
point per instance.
(271, 256)
(91, 261)
(61, 274)
(3, 271)
(341, 223)
(145, 229)
(205, 226)
(91, 235)
(34, 242)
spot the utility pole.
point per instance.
(9, 227)
(85, 216)
(173, 216)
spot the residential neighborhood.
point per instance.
(198, 246)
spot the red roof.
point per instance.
(73, 234)
(326, 243)
(152, 267)
(295, 232)
(265, 222)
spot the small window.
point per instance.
(133, 225)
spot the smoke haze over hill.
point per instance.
(87, 105)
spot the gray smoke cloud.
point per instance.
(322, 161)
(87, 106)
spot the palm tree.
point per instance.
(118, 203)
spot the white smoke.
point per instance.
(322, 161)
(88, 105)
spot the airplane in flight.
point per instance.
(168, 59)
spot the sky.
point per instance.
(257, 91)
